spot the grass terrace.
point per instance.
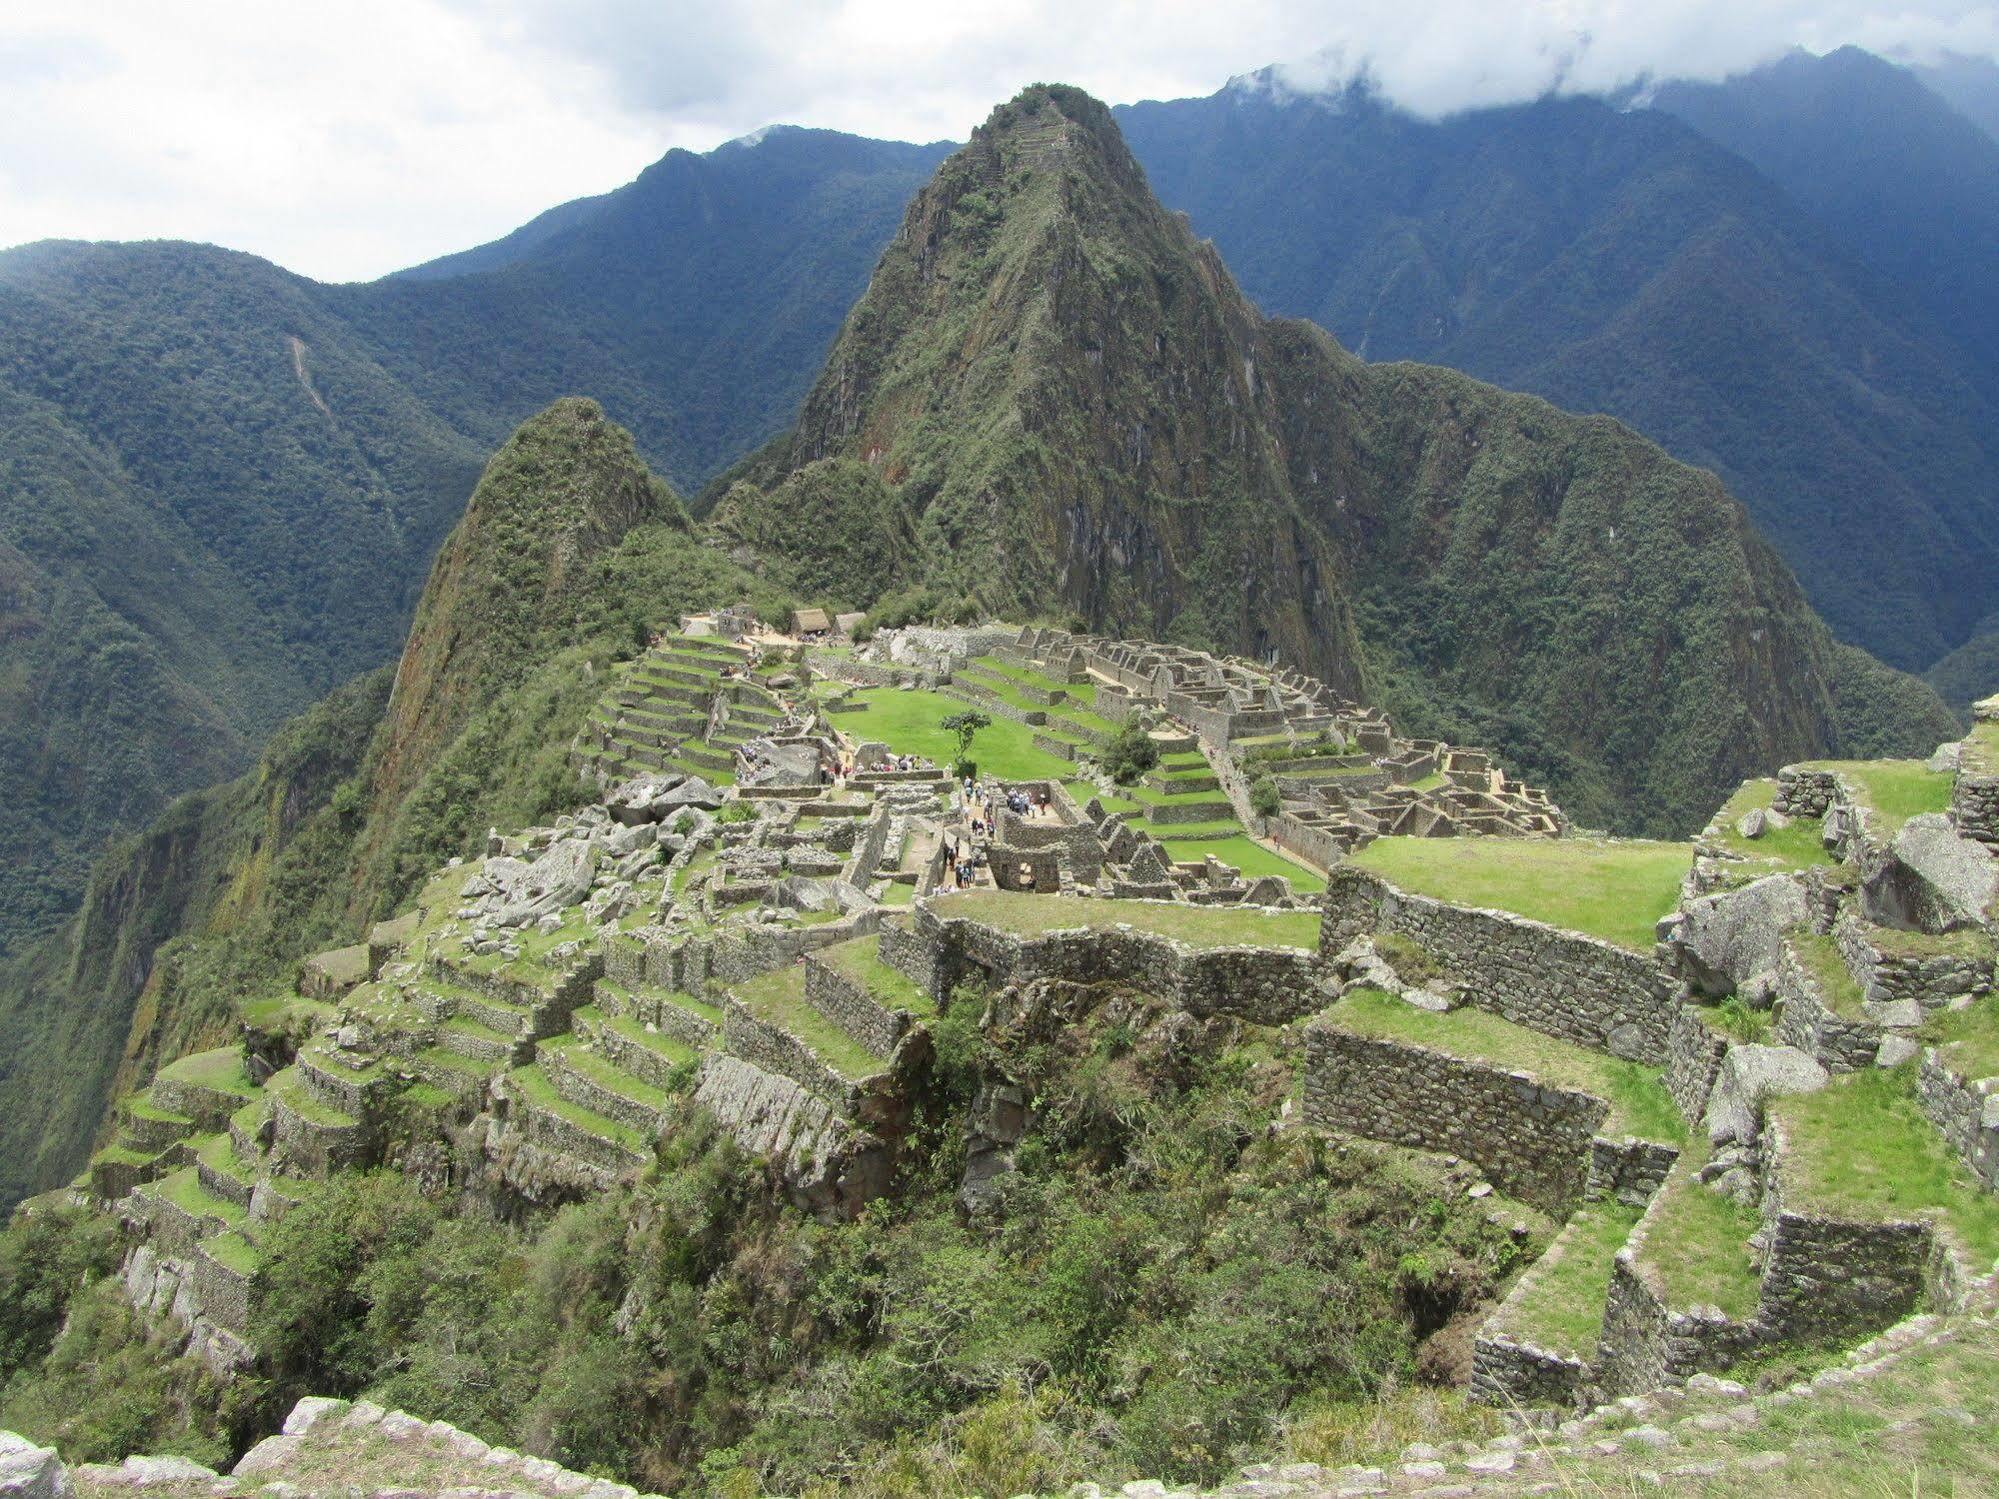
(1082, 791)
(1860, 1148)
(779, 998)
(1893, 791)
(1698, 1242)
(220, 1071)
(184, 1190)
(1798, 846)
(1614, 889)
(533, 1086)
(860, 960)
(1249, 856)
(1196, 926)
(908, 723)
(1639, 1102)
(1562, 1309)
(1969, 1038)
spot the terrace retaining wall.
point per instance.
(1532, 1140)
(1564, 985)
(1266, 985)
(1964, 1113)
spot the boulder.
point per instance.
(557, 880)
(1732, 938)
(1933, 880)
(1748, 1076)
(1750, 824)
(692, 794)
(31, 1472)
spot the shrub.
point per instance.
(1264, 799)
(1130, 754)
(736, 811)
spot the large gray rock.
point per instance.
(557, 880)
(1933, 880)
(1750, 1075)
(1729, 939)
(31, 1472)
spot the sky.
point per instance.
(349, 139)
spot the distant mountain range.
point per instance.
(224, 483)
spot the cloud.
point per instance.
(344, 141)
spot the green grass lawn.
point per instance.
(1798, 846)
(1249, 856)
(1197, 926)
(1698, 1243)
(1893, 790)
(1639, 1102)
(1563, 1309)
(1861, 1148)
(1615, 889)
(909, 724)
(221, 1071)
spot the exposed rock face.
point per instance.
(823, 1161)
(1935, 879)
(31, 1472)
(1733, 939)
(1749, 1075)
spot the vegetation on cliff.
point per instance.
(1082, 415)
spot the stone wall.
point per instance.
(1571, 987)
(1310, 841)
(1532, 1140)
(1974, 806)
(1803, 792)
(666, 958)
(1510, 1372)
(1965, 1114)
(1892, 970)
(1807, 1022)
(1694, 1050)
(764, 1044)
(851, 1007)
(1630, 1170)
(1266, 985)
(1827, 1278)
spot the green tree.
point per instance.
(966, 726)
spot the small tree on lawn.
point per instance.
(966, 725)
(1131, 752)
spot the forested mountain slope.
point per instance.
(1078, 411)
(221, 484)
(1615, 261)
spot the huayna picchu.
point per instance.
(1004, 961)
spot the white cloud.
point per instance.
(344, 141)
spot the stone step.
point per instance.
(589, 1079)
(562, 1126)
(693, 1021)
(328, 1077)
(312, 1136)
(149, 1128)
(466, 1038)
(455, 1073)
(651, 1056)
(769, 1022)
(224, 1174)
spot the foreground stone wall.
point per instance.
(1827, 1278)
(1266, 985)
(1694, 1050)
(1571, 987)
(1532, 1140)
(1964, 1113)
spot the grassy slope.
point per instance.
(1614, 890)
